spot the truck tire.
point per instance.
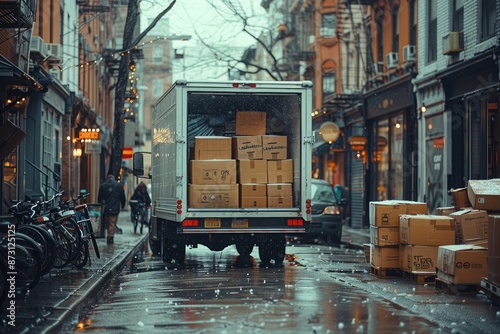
(244, 248)
(173, 250)
(273, 249)
(155, 245)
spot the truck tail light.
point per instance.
(179, 206)
(243, 84)
(308, 206)
(190, 223)
(295, 222)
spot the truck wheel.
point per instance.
(273, 249)
(333, 239)
(244, 248)
(154, 244)
(173, 251)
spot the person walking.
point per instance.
(112, 198)
(140, 196)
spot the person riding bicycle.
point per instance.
(141, 196)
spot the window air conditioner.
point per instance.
(378, 68)
(392, 60)
(312, 38)
(38, 46)
(453, 42)
(327, 32)
(409, 53)
(54, 52)
(54, 72)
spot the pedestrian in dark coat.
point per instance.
(112, 198)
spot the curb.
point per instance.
(92, 287)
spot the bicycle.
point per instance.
(139, 214)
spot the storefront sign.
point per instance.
(329, 132)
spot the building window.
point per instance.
(431, 30)
(328, 25)
(488, 12)
(413, 22)
(157, 54)
(395, 29)
(157, 87)
(458, 15)
(328, 83)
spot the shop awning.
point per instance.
(10, 74)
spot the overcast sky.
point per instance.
(217, 27)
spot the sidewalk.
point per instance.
(57, 300)
(355, 237)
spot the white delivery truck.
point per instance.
(230, 165)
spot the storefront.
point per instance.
(391, 132)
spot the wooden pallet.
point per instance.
(420, 278)
(385, 272)
(491, 290)
(456, 289)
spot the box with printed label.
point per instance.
(384, 236)
(212, 147)
(253, 202)
(470, 224)
(462, 264)
(460, 199)
(213, 196)
(385, 257)
(484, 194)
(426, 230)
(253, 190)
(274, 147)
(247, 147)
(250, 123)
(385, 213)
(279, 189)
(280, 171)
(252, 171)
(418, 259)
(213, 171)
(280, 202)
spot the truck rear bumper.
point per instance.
(240, 230)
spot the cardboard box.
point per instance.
(477, 242)
(484, 194)
(250, 123)
(247, 147)
(459, 198)
(280, 202)
(253, 202)
(385, 257)
(415, 208)
(280, 171)
(418, 259)
(462, 264)
(385, 213)
(212, 147)
(445, 210)
(384, 236)
(279, 189)
(213, 196)
(274, 147)
(252, 171)
(253, 190)
(212, 171)
(494, 235)
(426, 230)
(470, 224)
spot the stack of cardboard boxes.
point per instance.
(249, 170)
(475, 255)
(385, 232)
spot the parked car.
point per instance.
(326, 225)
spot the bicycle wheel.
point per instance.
(46, 242)
(28, 265)
(92, 237)
(64, 249)
(135, 221)
(82, 255)
(72, 231)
